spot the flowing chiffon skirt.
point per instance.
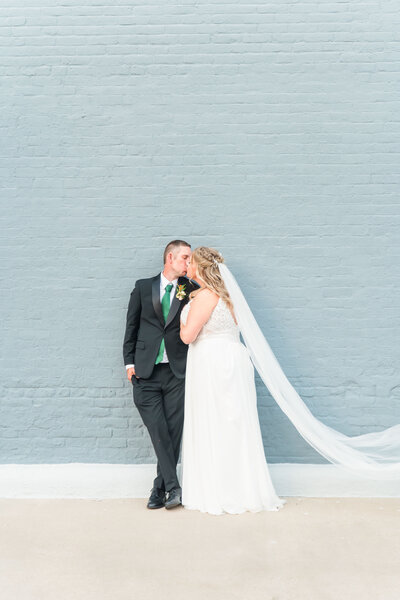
(224, 469)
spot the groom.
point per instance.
(155, 359)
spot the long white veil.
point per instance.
(375, 455)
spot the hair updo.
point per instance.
(207, 261)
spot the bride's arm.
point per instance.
(200, 311)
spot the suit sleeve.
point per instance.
(132, 326)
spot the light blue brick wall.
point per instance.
(268, 130)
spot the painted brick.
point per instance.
(269, 130)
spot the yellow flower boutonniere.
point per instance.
(180, 293)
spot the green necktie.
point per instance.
(165, 304)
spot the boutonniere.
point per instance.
(180, 293)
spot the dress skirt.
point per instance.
(224, 469)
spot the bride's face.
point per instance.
(191, 271)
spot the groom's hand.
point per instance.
(131, 373)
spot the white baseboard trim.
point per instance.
(100, 481)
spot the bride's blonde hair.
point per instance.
(207, 260)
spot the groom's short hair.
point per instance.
(172, 246)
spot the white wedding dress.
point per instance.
(224, 469)
(223, 462)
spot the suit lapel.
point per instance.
(155, 295)
(175, 302)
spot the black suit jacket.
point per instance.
(145, 328)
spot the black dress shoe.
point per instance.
(157, 498)
(174, 498)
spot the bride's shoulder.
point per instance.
(205, 297)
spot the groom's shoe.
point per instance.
(174, 498)
(157, 498)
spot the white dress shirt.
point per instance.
(163, 283)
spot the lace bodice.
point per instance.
(220, 323)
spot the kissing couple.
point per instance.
(193, 385)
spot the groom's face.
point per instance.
(180, 260)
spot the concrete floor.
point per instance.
(314, 548)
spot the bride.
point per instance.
(223, 463)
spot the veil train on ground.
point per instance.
(375, 454)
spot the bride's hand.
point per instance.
(200, 311)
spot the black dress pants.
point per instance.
(160, 402)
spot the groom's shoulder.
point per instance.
(192, 285)
(146, 281)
